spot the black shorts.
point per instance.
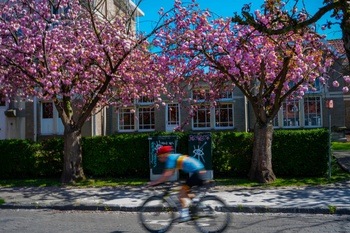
(196, 179)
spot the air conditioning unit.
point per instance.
(10, 112)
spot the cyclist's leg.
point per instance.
(184, 212)
(195, 179)
(184, 194)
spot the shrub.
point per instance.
(300, 152)
(294, 153)
(17, 159)
(49, 158)
(117, 156)
(232, 153)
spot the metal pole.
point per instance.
(329, 145)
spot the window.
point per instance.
(145, 100)
(138, 116)
(221, 116)
(275, 121)
(47, 109)
(224, 116)
(126, 119)
(291, 113)
(201, 118)
(146, 118)
(312, 111)
(200, 95)
(300, 113)
(315, 87)
(172, 116)
(224, 111)
(226, 96)
(2, 102)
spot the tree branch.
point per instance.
(250, 20)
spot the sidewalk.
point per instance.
(316, 199)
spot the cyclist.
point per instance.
(181, 162)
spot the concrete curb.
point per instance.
(296, 210)
(233, 209)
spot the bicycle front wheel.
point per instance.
(156, 215)
(211, 215)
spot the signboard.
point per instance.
(200, 147)
(154, 144)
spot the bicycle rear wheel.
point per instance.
(211, 215)
(156, 215)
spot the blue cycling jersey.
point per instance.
(183, 162)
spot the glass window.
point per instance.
(173, 117)
(126, 119)
(226, 96)
(275, 121)
(2, 101)
(312, 111)
(315, 87)
(47, 110)
(145, 100)
(291, 113)
(200, 95)
(138, 116)
(201, 118)
(146, 118)
(224, 116)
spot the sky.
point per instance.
(226, 8)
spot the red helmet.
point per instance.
(164, 149)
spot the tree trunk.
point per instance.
(72, 167)
(261, 166)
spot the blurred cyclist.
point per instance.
(181, 162)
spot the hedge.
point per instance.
(295, 153)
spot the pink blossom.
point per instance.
(347, 78)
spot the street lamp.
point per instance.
(329, 106)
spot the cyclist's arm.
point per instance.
(164, 177)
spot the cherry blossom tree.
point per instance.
(72, 53)
(201, 50)
(290, 21)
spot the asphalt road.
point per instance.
(47, 221)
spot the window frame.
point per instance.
(205, 115)
(201, 110)
(131, 114)
(151, 122)
(318, 115)
(291, 107)
(231, 111)
(279, 120)
(170, 127)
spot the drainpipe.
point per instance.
(35, 123)
(104, 121)
(246, 114)
(94, 125)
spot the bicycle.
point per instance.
(209, 213)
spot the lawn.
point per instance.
(340, 145)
